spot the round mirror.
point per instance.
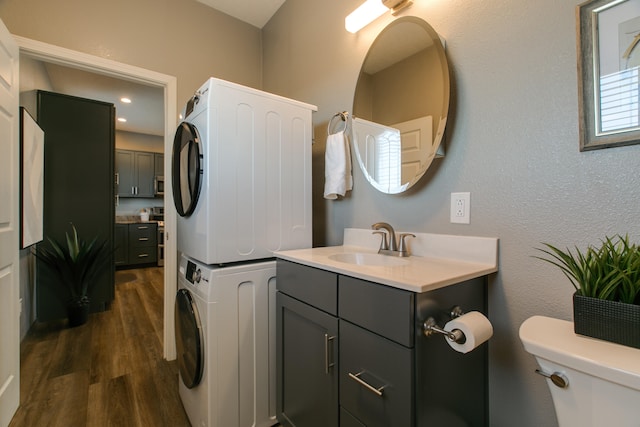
(400, 105)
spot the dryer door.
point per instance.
(189, 339)
(186, 168)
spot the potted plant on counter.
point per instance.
(606, 304)
(75, 265)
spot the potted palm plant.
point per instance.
(76, 265)
(606, 303)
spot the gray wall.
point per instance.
(512, 141)
(181, 38)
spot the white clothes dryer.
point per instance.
(241, 170)
(225, 337)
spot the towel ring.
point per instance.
(344, 116)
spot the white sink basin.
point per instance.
(369, 259)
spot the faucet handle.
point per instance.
(402, 244)
(384, 244)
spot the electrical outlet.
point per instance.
(460, 208)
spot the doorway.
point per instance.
(77, 60)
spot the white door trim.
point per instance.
(70, 58)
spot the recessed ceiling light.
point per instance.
(125, 100)
(122, 120)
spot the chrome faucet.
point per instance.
(392, 247)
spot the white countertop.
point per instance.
(437, 260)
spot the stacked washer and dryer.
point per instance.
(241, 170)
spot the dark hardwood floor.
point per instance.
(108, 372)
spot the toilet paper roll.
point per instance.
(475, 327)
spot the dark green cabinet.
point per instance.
(387, 372)
(79, 150)
(158, 167)
(135, 173)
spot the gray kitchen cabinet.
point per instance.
(136, 244)
(121, 238)
(389, 373)
(143, 243)
(135, 173)
(158, 164)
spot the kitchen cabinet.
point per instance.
(135, 173)
(121, 237)
(143, 243)
(79, 150)
(158, 164)
(388, 372)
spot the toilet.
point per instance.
(592, 382)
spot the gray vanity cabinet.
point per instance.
(307, 348)
(387, 372)
(376, 357)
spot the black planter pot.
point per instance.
(607, 320)
(78, 314)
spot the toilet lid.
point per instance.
(556, 341)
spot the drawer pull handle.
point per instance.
(328, 354)
(143, 255)
(143, 239)
(143, 227)
(356, 377)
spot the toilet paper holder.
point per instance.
(430, 327)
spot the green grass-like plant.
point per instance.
(610, 271)
(75, 264)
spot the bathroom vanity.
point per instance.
(350, 344)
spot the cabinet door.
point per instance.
(376, 378)
(144, 174)
(125, 176)
(121, 244)
(307, 365)
(158, 169)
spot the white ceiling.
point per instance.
(254, 12)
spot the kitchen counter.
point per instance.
(133, 219)
(437, 260)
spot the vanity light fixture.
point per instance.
(371, 10)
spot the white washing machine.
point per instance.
(225, 337)
(241, 170)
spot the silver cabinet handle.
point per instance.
(356, 377)
(557, 378)
(328, 354)
(143, 255)
(142, 227)
(117, 178)
(143, 239)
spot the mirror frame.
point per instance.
(439, 123)
(588, 29)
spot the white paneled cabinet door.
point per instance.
(9, 231)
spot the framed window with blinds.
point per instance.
(609, 73)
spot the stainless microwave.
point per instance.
(158, 185)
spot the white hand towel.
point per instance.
(337, 166)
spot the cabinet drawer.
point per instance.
(383, 365)
(384, 310)
(143, 235)
(143, 255)
(316, 287)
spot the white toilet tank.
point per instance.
(603, 378)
